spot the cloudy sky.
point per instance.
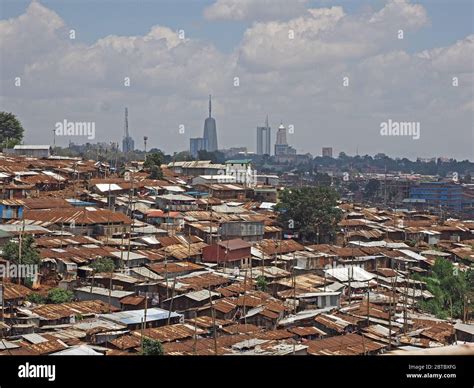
(285, 58)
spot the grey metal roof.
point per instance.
(34, 338)
(137, 316)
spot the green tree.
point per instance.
(58, 295)
(310, 211)
(262, 283)
(103, 264)
(152, 347)
(156, 173)
(183, 156)
(153, 165)
(29, 254)
(153, 159)
(449, 287)
(371, 188)
(36, 298)
(11, 130)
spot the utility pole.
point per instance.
(110, 290)
(20, 246)
(172, 298)
(368, 303)
(405, 302)
(245, 292)
(74, 179)
(350, 290)
(166, 273)
(141, 336)
(146, 309)
(213, 312)
(390, 323)
(2, 294)
(324, 271)
(131, 216)
(363, 344)
(392, 300)
(195, 332)
(294, 284)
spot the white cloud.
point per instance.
(408, 15)
(298, 81)
(30, 36)
(326, 35)
(254, 9)
(457, 58)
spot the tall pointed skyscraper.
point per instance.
(210, 131)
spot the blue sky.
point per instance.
(451, 19)
(296, 81)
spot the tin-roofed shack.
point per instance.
(87, 221)
(236, 252)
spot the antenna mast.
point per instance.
(210, 107)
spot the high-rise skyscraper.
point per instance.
(128, 145)
(210, 131)
(264, 139)
(197, 144)
(281, 145)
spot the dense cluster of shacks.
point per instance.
(206, 269)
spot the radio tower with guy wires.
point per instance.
(128, 145)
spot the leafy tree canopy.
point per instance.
(449, 287)
(58, 295)
(214, 157)
(262, 283)
(152, 347)
(11, 130)
(153, 159)
(36, 298)
(310, 211)
(103, 264)
(153, 164)
(29, 254)
(371, 188)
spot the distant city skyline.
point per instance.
(335, 71)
